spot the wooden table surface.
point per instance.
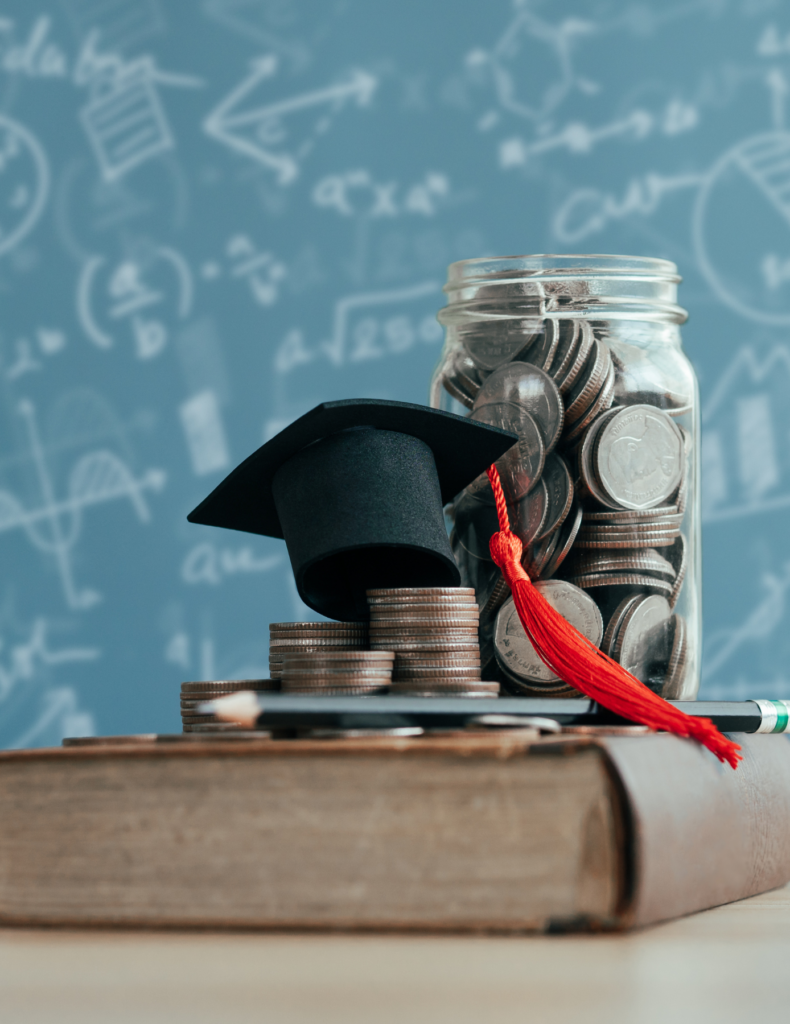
(725, 965)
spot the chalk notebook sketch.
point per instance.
(215, 215)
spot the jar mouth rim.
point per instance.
(554, 265)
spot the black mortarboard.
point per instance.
(356, 489)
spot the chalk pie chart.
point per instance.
(742, 228)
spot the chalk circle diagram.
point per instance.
(741, 228)
(24, 183)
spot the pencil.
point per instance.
(287, 711)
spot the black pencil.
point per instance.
(287, 711)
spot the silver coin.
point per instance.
(594, 580)
(665, 541)
(678, 556)
(643, 640)
(446, 693)
(489, 344)
(450, 646)
(567, 347)
(586, 463)
(431, 633)
(448, 679)
(216, 727)
(431, 615)
(537, 555)
(227, 686)
(438, 658)
(633, 538)
(424, 622)
(644, 560)
(528, 515)
(406, 604)
(520, 466)
(424, 607)
(559, 487)
(580, 354)
(476, 523)
(418, 593)
(581, 396)
(513, 647)
(639, 457)
(499, 593)
(676, 667)
(542, 350)
(318, 643)
(341, 691)
(600, 403)
(362, 659)
(453, 389)
(615, 623)
(329, 627)
(410, 670)
(629, 517)
(530, 388)
(566, 538)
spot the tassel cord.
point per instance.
(581, 664)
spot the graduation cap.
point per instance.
(356, 489)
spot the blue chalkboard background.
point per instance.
(214, 215)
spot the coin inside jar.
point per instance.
(527, 517)
(520, 466)
(514, 650)
(639, 457)
(530, 388)
(643, 639)
(556, 477)
(475, 523)
(491, 343)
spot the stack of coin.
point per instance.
(310, 637)
(337, 673)
(433, 634)
(195, 694)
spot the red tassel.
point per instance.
(580, 663)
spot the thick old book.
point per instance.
(497, 832)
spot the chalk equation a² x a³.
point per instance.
(53, 525)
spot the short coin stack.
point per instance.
(195, 694)
(337, 673)
(313, 637)
(433, 634)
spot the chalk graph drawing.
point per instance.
(279, 134)
(24, 183)
(746, 437)
(746, 258)
(52, 522)
(33, 710)
(722, 647)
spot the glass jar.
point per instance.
(581, 356)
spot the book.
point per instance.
(474, 831)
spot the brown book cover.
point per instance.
(463, 832)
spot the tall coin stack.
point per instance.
(337, 673)
(433, 634)
(313, 637)
(195, 694)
